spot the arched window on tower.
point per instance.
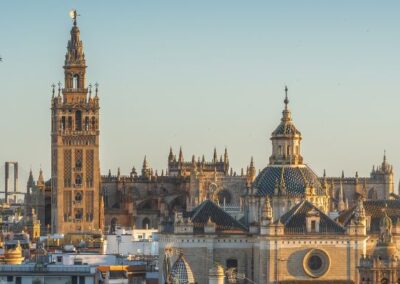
(288, 151)
(63, 123)
(93, 123)
(86, 123)
(280, 150)
(75, 81)
(78, 120)
(69, 122)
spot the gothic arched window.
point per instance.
(75, 81)
(69, 122)
(93, 123)
(63, 123)
(78, 120)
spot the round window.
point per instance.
(316, 263)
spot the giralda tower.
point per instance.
(75, 166)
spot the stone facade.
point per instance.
(75, 168)
(288, 233)
(143, 200)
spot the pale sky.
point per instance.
(205, 74)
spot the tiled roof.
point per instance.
(286, 128)
(181, 272)
(375, 210)
(296, 179)
(295, 219)
(209, 210)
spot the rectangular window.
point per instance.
(313, 226)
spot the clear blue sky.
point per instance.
(207, 73)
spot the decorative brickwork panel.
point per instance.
(89, 168)
(67, 168)
(78, 159)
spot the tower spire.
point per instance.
(286, 101)
(286, 139)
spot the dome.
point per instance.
(295, 179)
(181, 272)
(286, 127)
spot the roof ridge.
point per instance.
(198, 208)
(294, 212)
(327, 217)
(226, 215)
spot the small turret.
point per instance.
(226, 158)
(251, 172)
(359, 212)
(215, 157)
(40, 182)
(267, 211)
(31, 182)
(180, 160)
(171, 155)
(146, 171)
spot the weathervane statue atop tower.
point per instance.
(73, 14)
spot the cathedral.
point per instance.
(283, 224)
(296, 227)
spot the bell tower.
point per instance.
(75, 166)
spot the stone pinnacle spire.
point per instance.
(286, 101)
(75, 55)
(180, 155)
(215, 157)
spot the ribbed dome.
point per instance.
(286, 127)
(181, 272)
(294, 179)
